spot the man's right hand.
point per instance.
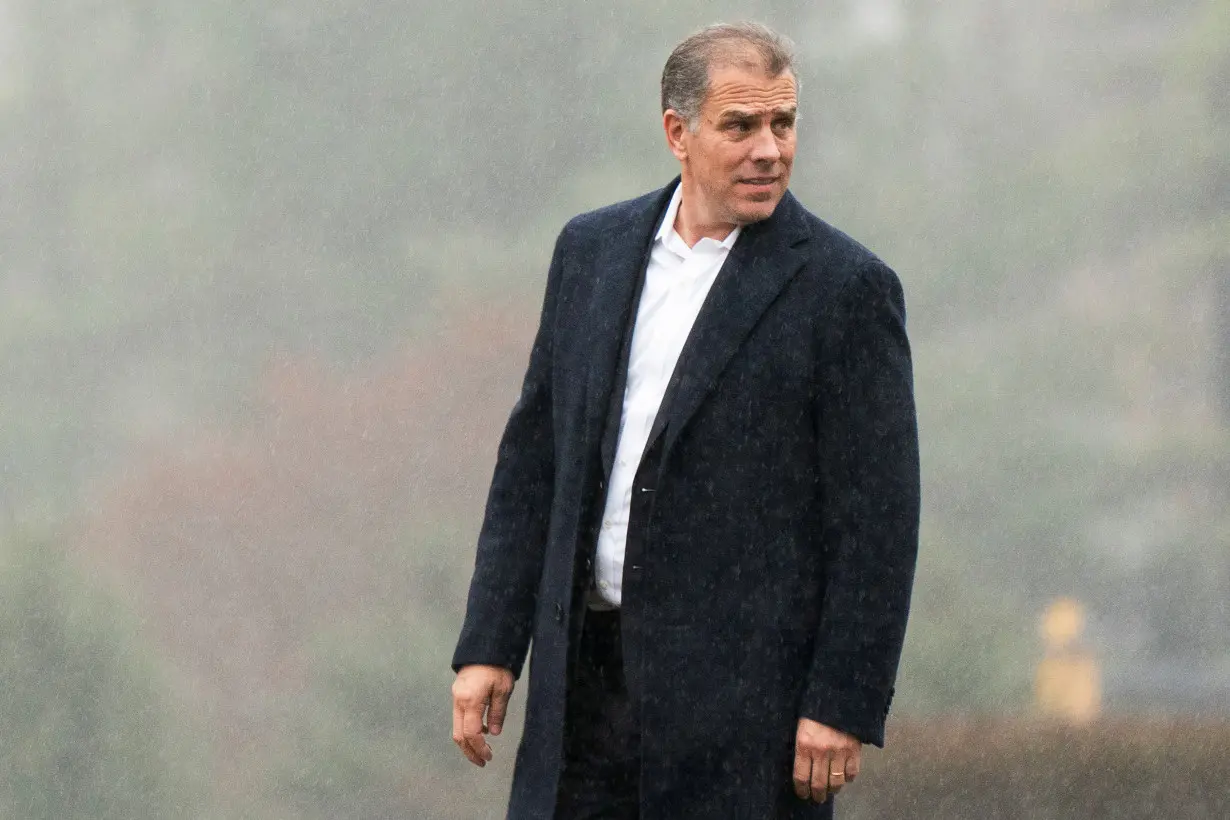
(477, 690)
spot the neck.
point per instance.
(694, 221)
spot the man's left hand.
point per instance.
(825, 759)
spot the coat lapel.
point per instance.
(762, 262)
(617, 268)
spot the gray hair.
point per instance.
(685, 79)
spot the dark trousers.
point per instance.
(601, 774)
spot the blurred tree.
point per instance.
(373, 740)
(87, 727)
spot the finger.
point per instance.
(472, 728)
(820, 777)
(854, 763)
(459, 736)
(498, 710)
(837, 772)
(802, 774)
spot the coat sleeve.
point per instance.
(503, 589)
(870, 482)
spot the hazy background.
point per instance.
(268, 275)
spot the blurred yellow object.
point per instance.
(1068, 684)
(1063, 623)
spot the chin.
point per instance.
(757, 211)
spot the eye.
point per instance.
(739, 126)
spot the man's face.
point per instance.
(740, 155)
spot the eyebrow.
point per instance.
(742, 114)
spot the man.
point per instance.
(704, 512)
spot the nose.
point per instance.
(765, 148)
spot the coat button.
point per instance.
(559, 613)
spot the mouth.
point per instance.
(759, 182)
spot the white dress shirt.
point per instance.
(676, 283)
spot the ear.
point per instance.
(676, 127)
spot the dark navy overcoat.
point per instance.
(774, 526)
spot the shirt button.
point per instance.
(623, 463)
(606, 525)
(603, 585)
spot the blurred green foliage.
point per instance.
(89, 728)
(372, 739)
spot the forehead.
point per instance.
(750, 90)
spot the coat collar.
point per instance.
(618, 264)
(765, 258)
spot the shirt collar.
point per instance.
(666, 231)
